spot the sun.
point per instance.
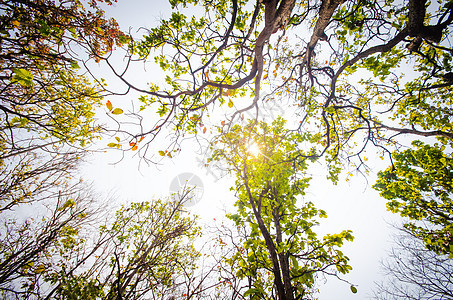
(254, 149)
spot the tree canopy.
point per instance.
(355, 72)
(351, 78)
(281, 255)
(419, 186)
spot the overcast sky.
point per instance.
(349, 205)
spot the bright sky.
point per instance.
(349, 205)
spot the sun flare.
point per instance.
(254, 149)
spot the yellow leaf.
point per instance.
(265, 76)
(117, 111)
(15, 23)
(230, 103)
(109, 105)
(134, 148)
(161, 153)
(40, 269)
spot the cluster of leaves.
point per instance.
(154, 247)
(46, 107)
(30, 244)
(281, 253)
(42, 45)
(236, 51)
(46, 116)
(146, 251)
(419, 187)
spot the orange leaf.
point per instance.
(223, 123)
(204, 130)
(141, 139)
(109, 105)
(132, 144)
(134, 148)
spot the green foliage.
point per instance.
(280, 225)
(186, 38)
(215, 57)
(23, 77)
(34, 246)
(46, 115)
(43, 94)
(419, 186)
(146, 250)
(77, 287)
(153, 248)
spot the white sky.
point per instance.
(350, 205)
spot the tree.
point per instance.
(413, 272)
(418, 186)
(153, 251)
(42, 46)
(34, 177)
(46, 117)
(280, 255)
(46, 106)
(30, 243)
(146, 251)
(244, 54)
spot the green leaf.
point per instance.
(111, 145)
(353, 289)
(23, 77)
(117, 111)
(252, 291)
(75, 65)
(295, 262)
(44, 29)
(330, 110)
